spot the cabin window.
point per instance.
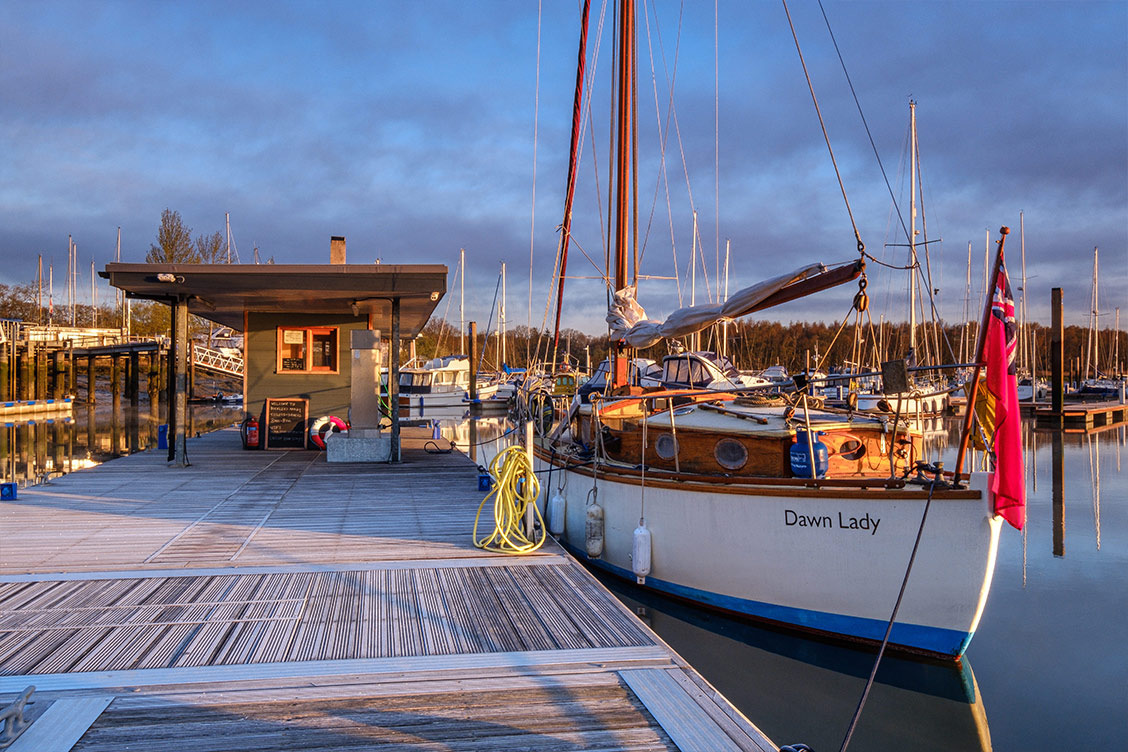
(677, 371)
(311, 349)
(699, 374)
(666, 446)
(730, 454)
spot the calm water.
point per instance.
(37, 449)
(1048, 668)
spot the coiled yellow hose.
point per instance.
(515, 488)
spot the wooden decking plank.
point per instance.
(312, 669)
(565, 633)
(548, 718)
(519, 609)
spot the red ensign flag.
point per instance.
(1009, 481)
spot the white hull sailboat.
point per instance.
(791, 513)
(825, 560)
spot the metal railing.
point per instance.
(216, 360)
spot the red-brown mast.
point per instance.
(622, 171)
(570, 189)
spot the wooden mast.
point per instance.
(623, 150)
(570, 188)
(973, 392)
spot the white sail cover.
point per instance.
(629, 323)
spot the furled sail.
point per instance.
(629, 323)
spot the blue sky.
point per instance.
(408, 127)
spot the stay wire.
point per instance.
(822, 124)
(862, 114)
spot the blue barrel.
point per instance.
(162, 436)
(801, 456)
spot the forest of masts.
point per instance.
(750, 345)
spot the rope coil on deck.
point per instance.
(515, 487)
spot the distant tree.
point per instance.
(174, 242)
(210, 249)
(19, 302)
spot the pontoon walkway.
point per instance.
(269, 600)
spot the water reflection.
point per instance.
(803, 690)
(34, 451)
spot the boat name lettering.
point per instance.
(865, 522)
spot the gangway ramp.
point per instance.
(217, 360)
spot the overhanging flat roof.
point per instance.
(222, 292)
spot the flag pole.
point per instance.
(981, 344)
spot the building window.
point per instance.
(310, 349)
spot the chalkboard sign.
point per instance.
(286, 421)
(293, 364)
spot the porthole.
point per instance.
(730, 454)
(666, 446)
(852, 450)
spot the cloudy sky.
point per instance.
(419, 128)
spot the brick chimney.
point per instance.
(336, 249)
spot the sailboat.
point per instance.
(787, 512)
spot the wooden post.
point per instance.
(91, 428)
(164, 379)
(178, 413)
(133, 390)
(27, 372)
(1057, 354)
(72, 374)
(1058, 491)
(115, 381)
(5, 373)
(41, 372)
(91, 380)
(473, 333)
(191, 369)
(58, 374)
(393, 381)
(153, 386)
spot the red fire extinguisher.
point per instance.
(252, 433)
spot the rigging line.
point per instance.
(446, 313)
(822, 124)
(486, 336)
(533, 217)
(819, 363)
(664, 133)
(717, 140)
(587, 256)
(936, 318)
(673, 117)
(865, 124)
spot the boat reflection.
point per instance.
(804, 690)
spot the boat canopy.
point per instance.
(629, 323)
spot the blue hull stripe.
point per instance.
(931, 639)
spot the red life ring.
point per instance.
(322, 426)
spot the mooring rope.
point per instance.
(893, 617)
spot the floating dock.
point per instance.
(1083, 416)
(22, 410)
(261, 600)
